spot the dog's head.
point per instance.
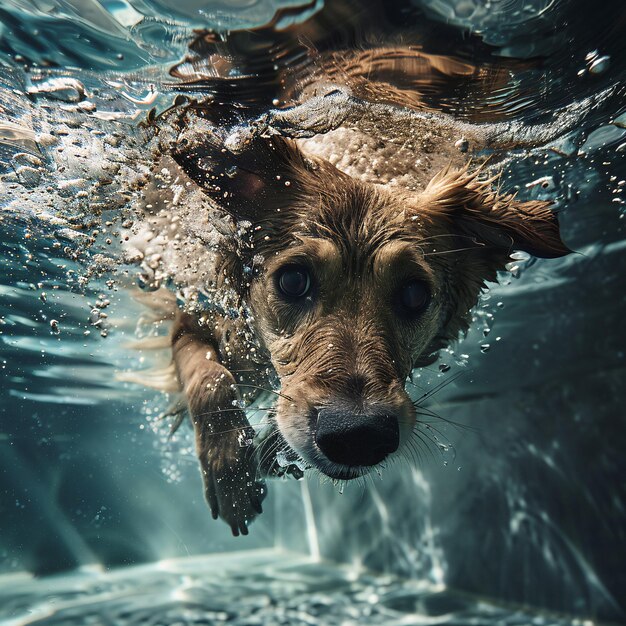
(358, 284)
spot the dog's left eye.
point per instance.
(414, 297)
(294, 281)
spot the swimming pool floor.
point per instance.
(262, 587)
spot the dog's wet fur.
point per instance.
(349, 286)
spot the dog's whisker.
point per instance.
(422, 440)
(233, 409)
(444, 236)
(271, 452)
(437, 439)
(424, 412)
(269, 448)
(439, 387)
(410, 382)
(442, 446)
(437, 416)
(478, 245)
(427, 426)
(414, 452)
(410, 450)
(362, 481)
(217, 433)
(278, 393)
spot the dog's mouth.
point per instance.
(338, 471)
(290, 463)
(337, 439)
(275, 457)
(286, 461)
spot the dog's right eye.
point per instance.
(294, 281)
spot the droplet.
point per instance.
(462, 144)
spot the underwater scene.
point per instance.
(312, 312)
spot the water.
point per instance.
(518, 497)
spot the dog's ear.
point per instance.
(246, 183)
(494, 222)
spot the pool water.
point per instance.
(512, 508)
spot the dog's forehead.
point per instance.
(361, 215)
(351, 227)
(383, 260)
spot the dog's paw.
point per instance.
(230, 484)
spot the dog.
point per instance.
(341, 278)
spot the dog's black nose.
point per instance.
(356, 439)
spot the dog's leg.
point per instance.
(222, 431)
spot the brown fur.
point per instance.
(347, 345)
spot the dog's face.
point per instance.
(358, 285)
